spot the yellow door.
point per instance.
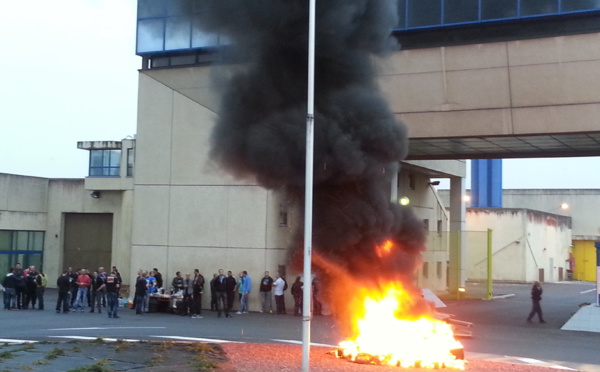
(584, 252)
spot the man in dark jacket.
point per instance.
(9, 289)
(19, 285)
(536, 297)
(112, 293)
(220, 284)
(266, 295)
(230, 284)
(140, 292)
(158, 277)
(63, 283)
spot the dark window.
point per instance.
(105, 163)
(283, 215)
(411, 181)
(578, 5)
(26, 247)
(425, 269)
(424, 13)
(152, 8)
(538, 7)
(130, 162)
(438, 269)
(498, 9)
(439, 227)
(460, 11)
(179, 7)
(426, 224)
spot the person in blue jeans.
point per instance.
(246, 288)
(112, 294)
(9, 289)
(140, 292)
(83, 281)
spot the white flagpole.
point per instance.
(308, 194)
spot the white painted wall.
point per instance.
(523, 242)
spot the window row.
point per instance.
(16, 240)
(433, 13)
(162, 25)
(107, 163)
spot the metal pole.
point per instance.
(489, 264)
(308, 194)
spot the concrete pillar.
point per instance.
(457, 272)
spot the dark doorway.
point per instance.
(88, 240)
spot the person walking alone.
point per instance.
(536, 297)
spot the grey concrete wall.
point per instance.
(506, 88)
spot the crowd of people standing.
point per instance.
(24, 288)
(80, 290)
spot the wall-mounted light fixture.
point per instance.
(95, 194)
(404, 200)
(433, 183)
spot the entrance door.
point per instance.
(88, 240)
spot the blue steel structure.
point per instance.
(486, 183)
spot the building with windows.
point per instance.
(471, 79)
(57, 223)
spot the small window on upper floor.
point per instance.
(105, 163)
(283, 215)
(130, 160)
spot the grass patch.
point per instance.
(40, 362)
(121, 345)
(76, 349)
(55, 353)
(9, 354)
(163, 347)
(203, 364)
(91, 368)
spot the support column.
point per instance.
(457, 274)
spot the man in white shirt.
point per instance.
(278, 288)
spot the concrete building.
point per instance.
(581, 205)
(472, 79)
(526, 245)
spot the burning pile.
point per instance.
(359, 144)
(386, 334)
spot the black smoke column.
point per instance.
(358, 143)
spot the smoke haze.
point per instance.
(261, 132)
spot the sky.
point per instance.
(68, 73)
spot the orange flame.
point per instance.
(384, 249)
(385, 330)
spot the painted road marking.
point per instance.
(589, 290)
(295, 342)
(540, 363)
(13, 341)
(198, 339)
(97, 328)
(86, 338)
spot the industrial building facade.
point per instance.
(463, 70)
